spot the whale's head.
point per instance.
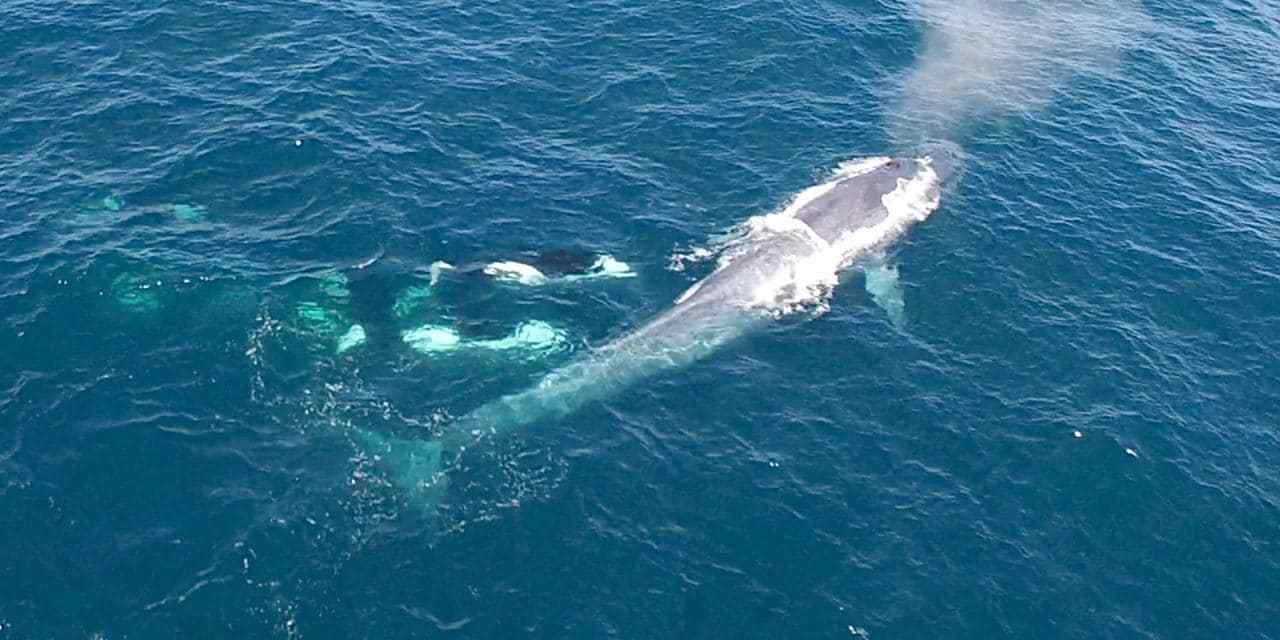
(877, 198)
(936, 164)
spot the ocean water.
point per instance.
(1070, 432)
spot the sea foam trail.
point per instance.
(790, 268)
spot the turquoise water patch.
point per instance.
(411, 300)
(112, 203)
(136, 293)
(189, 213)
(317, 318)
(413, 463)
(335, 285)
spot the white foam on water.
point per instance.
(354, 337)
(609, 266)
(519, 272)
(533, 335)
(680, 260)
(605, 266)
(432, 339)
(437, 270)
(804, 282)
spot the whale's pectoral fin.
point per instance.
(884, 284)
(416, 466)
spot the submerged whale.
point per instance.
(780, 263)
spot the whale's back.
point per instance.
(855, 202)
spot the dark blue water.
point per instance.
(1073, 435)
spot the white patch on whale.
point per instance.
(810, 279)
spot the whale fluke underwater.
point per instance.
(780, 263)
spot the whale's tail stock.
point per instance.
(421, 466)
(414, 465)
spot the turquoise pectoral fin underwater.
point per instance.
(884, 283)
